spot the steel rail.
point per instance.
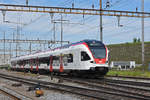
(86, 82)
(70, 89)
(129, 87)
(49, 85)
(144, 84)
(119, 85)
(9, 95)
(123, 84)
(129, 77)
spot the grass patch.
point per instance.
(129, 52)
(128, 43)
(135, 73)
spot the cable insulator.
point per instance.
(136, 9)
(93, 6)
(107, 4)
(72, 5)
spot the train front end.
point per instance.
(99, 63)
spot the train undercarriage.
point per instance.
(92, 73)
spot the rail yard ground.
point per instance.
(105, 89)
(23, 88)
(74, 50)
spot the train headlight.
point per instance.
(93, 62)
(106, 62)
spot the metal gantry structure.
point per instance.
(30, 42)
(44, 9)
(101, 12)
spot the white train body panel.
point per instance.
(77, 56)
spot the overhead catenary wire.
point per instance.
(131, 31)
(117, 2)
(68, 0)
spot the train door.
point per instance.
(84, 59)
(56, 62)
(70, 60)
(76, 64)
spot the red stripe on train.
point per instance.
(51, 62)
(37, 64)
(31, 67)
(61, 65)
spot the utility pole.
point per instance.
(61, 30)
(13, 36)
(101, 26)
(30, 47)
(142, 22)
(54, 36)
(44, 46)
(4, 47)
(26, 2)
(10, 49)
(17, 38)
(4, 13)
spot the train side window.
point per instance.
(27, 62)
(20, 62)
(70, 58)
(56, 60)
(65, 59)
(34, 62)
(44, 60)
(84, 56)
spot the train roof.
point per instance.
(63, 47)
(84, 41)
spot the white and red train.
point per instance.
(87, 57)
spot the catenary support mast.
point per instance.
(142, 22)
(101, 23)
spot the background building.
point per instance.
(122, 65)
(4, 59)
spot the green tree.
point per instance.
(138, 40)
(134, 40)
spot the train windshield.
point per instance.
(98, 49)
(98, 52)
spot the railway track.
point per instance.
(12, 94)
(143, 84)
(13, 97)
(100, 94)
(127, 77)
(130, 85)
(122, 90)
(133, 87)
